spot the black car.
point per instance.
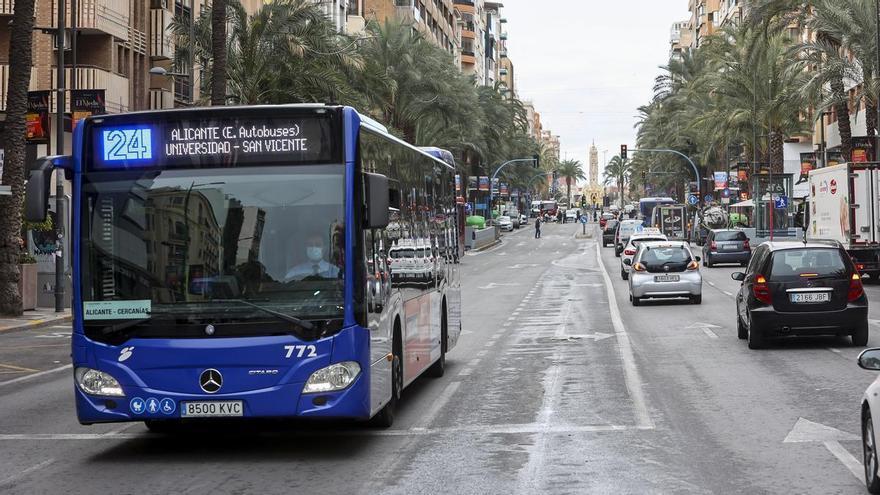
(796, 288)
(609, 231)
(726, 246)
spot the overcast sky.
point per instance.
(588, 64)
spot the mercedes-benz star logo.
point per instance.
(210, 380)
(666, 268)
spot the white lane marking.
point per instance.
(36, 375)
(847, 459)
(21, 474)
(730, 294)
(482, 353)
(512, 429)
(710, 283)
(631, 372)
(836, 351)
(710, 333)
(438, 405)
(473, 362)
(465, 372)
(511, 318)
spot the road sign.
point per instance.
(693, 199)
(583, 219)
(708, 198)
(781, 202)
(725, 193)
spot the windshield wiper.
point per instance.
(281, 316)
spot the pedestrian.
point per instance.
(538, 228)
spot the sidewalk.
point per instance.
(41, 317)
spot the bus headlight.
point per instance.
(94, 382)
(332, 378)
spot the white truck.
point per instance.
(844, 206)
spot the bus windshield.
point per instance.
(164, 249)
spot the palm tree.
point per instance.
(218, 52)
(570, 170)
(20, 62)
(617, 171)
(286, 52)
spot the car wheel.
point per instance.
(623, 274)
(636, 301)
(704, 259)
(741, 331)
(869, 451)
(860, 335)
(708, 261)
(755, 337)
(697, 299)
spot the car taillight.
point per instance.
(713, 246)
(746, 244)
(693, 265)
(855, 287)
(629, 252)
(639, 267)
(761, 290)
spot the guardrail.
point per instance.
(479, 238)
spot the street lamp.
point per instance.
(161, 71)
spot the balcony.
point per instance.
(468, 35)
(116, 94)
(4, 89)
(6, 7)
(467, 58)
(99, 16)
(161, 46)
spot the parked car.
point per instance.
(523, 219)
(608, 231)
(797, 288)
(869, 359)
(665, 269)
(624, 231)
(514, 217)
(604, 218)
(632, 246)
(571, 215)
(726, 246)
(505, 223)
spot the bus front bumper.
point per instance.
(283, 401)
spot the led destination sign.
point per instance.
(214, 142)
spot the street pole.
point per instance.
(492, 179)
(877, 76)
(691, 162)
(60, 103)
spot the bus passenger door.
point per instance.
(377, 299)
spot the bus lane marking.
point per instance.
(631, 372)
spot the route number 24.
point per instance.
(300, 350)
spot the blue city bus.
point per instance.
(647, 205)
(238, 262)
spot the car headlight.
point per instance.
(332, 378)
(96, 382)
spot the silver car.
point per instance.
(505, 223)
(665, 270)
(633, 245)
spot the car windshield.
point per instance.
(730, 236)
(173, 245)
(637, 241)
(793, 264)
(658, 258)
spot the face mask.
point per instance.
(314, 253)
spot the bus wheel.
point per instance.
(439, 367)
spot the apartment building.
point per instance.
(436, 19)
(337, 11)
(708, 16)
(494, 36)
(680, 39)
(472, 39)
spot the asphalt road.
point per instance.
(557, 385)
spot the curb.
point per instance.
(490, 246)
(35, 324)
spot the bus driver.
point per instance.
(315, 265)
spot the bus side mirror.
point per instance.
(378, 200)
(37, 190)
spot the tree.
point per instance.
(570, 170)
(218, 52)
(20, 62)
(617, 171)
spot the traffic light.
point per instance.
(537, 158)
(623, 152)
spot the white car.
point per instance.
(633, 245)
(570, 216)
(505, 223)
(869, 359)
(523, 219)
